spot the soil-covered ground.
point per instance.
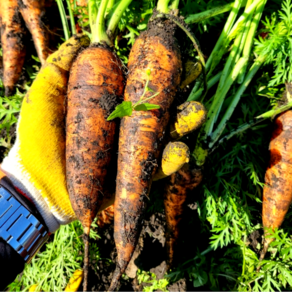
(150, 253)
(149, 256)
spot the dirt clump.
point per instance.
(149, 256)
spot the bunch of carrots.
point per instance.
(16, 16)
(148, 150)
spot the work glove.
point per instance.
(36, 163)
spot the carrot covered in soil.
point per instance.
(33, 12)
(178, 188)
(277, 193)
(175, 155)
(13, 33)
(95, 83)
(96, 86)
(141, 134)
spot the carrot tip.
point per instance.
(264, 250)
(9, 90)
(86, 260)
(115, 280)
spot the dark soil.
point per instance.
(149, 255)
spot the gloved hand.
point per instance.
(36, 162)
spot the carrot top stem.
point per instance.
(267, 115)
(196, 95)
(97, 19)
(162, 6)
(114, 20)
(110, 5)
(98, 32)
(174, 5)
(198, 17)
(251, 33)
(63, 19)
(72, 21)
(92, 13)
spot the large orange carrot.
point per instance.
(177, 189)
(142, 133)
(95, 86)
(12, 38)
(277, 193)
(33, 12)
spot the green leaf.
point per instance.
(146, 107)
(121, 110)
(201, 279)
(149, 89)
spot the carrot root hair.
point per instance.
(86, 258)
(115, 280)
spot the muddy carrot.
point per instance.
(13, 32)
(277, 193)
(96, 86)
(174, 156)
(141, 134)
(95, 83)
(190, 116)
(178, 187)
(33, 12)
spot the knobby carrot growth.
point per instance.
(178, 188)
(141, 134)
(13, 33)
(33, 13)
(96, 86)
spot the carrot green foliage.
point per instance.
(127, 107)
(150, 278)
(52, 268)
(277, 46)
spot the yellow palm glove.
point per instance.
(36, 162)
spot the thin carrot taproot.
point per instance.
(13, 34)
